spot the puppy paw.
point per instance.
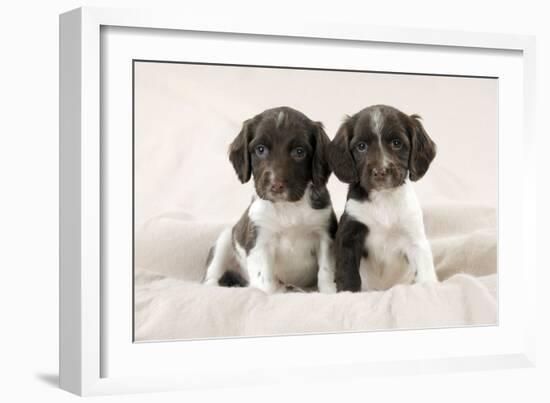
(425, 278)
(327, 287)
(268, 287)
(348, 283)
(211, 282)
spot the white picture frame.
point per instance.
(86, 347)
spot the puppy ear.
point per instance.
(320, 168)
(423, 149)
(238, 152)
(339, 154)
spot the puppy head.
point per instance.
(284, 151)
(379, 147)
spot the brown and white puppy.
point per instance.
(380, 239)
(284, 239)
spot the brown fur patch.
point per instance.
(244, 232)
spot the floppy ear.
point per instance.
(320, 168)
(238, 152)
(423, 149)
(339, 155)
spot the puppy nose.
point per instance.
(379, 172)
(277, 186)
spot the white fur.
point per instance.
(377, 121)
(326, 263)
(292, 247)
(377, 125)
(397, 247)
(280, 118)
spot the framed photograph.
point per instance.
(245, 201)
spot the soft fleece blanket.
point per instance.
(170, 302)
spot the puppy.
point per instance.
(380, 239)
(284, 239)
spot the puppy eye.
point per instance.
(261, 150)
(396, 144)
(361, 147)
(298, 153)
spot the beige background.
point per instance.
(186, 116)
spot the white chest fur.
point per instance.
(396, 231)
(291, 232)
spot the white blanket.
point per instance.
(172, 304)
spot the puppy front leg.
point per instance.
(218, 257)
(421, 263)
(325, 261)
(349, 249)
(261, 270)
